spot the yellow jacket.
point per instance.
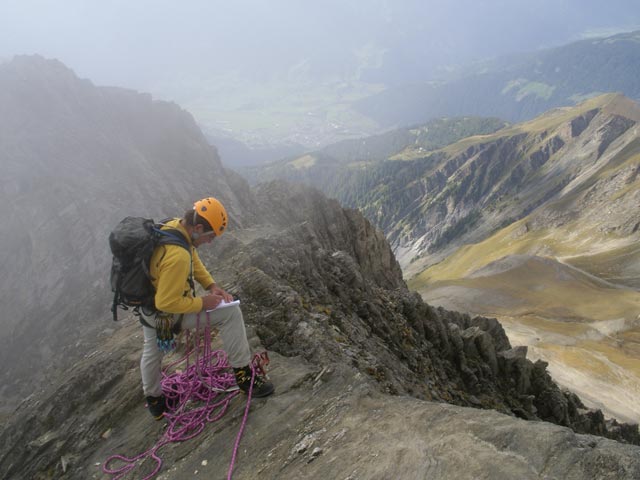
(170, 268)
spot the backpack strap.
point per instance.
(173, 236)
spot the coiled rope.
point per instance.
(196, 396)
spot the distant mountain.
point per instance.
(430, 202)
(331, 167)
(518, 87)
(472, 188)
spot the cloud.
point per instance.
(137, 43)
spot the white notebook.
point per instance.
(224, 304)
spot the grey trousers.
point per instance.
(229, 322)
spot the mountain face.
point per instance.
(553, 249)
(76, 159)
(568, 166)
(574, 162)
(518, 87)
(356, 355)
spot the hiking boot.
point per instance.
(261, 386)
(157, 406)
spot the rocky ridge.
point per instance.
(353, 350)
(346, 285)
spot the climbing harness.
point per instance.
(196, 396)
(164, 333)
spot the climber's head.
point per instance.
(207, 220)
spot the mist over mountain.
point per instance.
(141, 45)
(75, 158)
(270, 75)
(239, 155)
(359, 360)
(515, 87)
(518, 87)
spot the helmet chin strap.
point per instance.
(195, 235)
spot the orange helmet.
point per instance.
(213, 212)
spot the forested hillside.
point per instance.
(518, 87)
(347, 170)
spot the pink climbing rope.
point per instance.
(207, 381)
(244, 422)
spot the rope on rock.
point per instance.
(207, 382)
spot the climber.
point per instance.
(173, 270)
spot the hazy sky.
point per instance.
(138, 42)
(287, 72)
